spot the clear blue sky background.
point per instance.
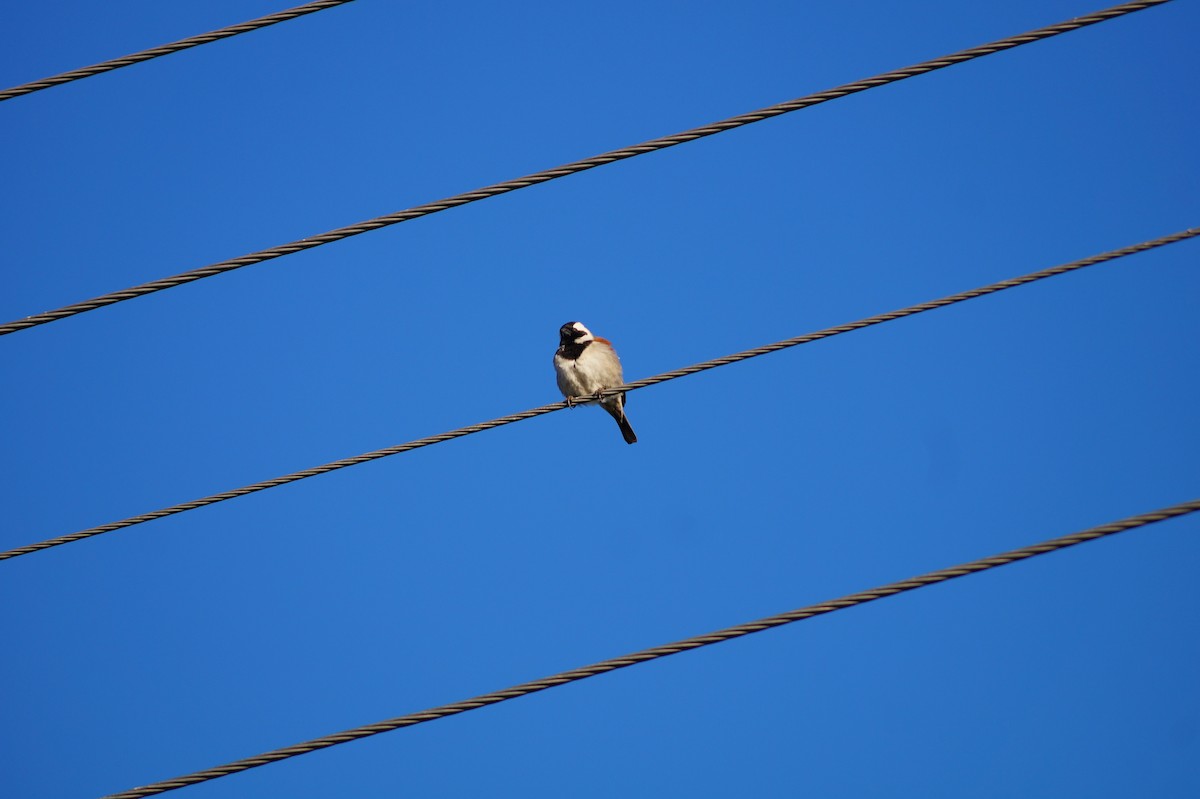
(466, 567)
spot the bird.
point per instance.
(586, 364)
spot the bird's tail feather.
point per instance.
(626, 430)
(618, 412)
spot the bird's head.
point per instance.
(574, 333)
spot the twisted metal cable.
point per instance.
(911, 310)
(605, 666)
(574, 167)
(649, 381)
(167, 49)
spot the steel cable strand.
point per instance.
(911, 310)
(649, 381)
(642, 656)
(572, 168)
(167, 49)
(282, 480)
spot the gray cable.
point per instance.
(574, 167)
(605, 666)
(649, 381)
(167, 49)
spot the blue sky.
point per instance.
(473, 565)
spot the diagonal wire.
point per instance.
(574, 167)
(649, 381)
(605, 666)
(167, 49)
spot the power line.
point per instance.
(605, 666)
(574, 167)
(649, 381)
(167, 49)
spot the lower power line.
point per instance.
(604, 666)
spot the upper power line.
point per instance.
(167, 49)
(642, 656)
(577, 166)
(649, 381)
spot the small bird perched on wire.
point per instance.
(586, 364)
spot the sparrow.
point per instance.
(586, 364)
